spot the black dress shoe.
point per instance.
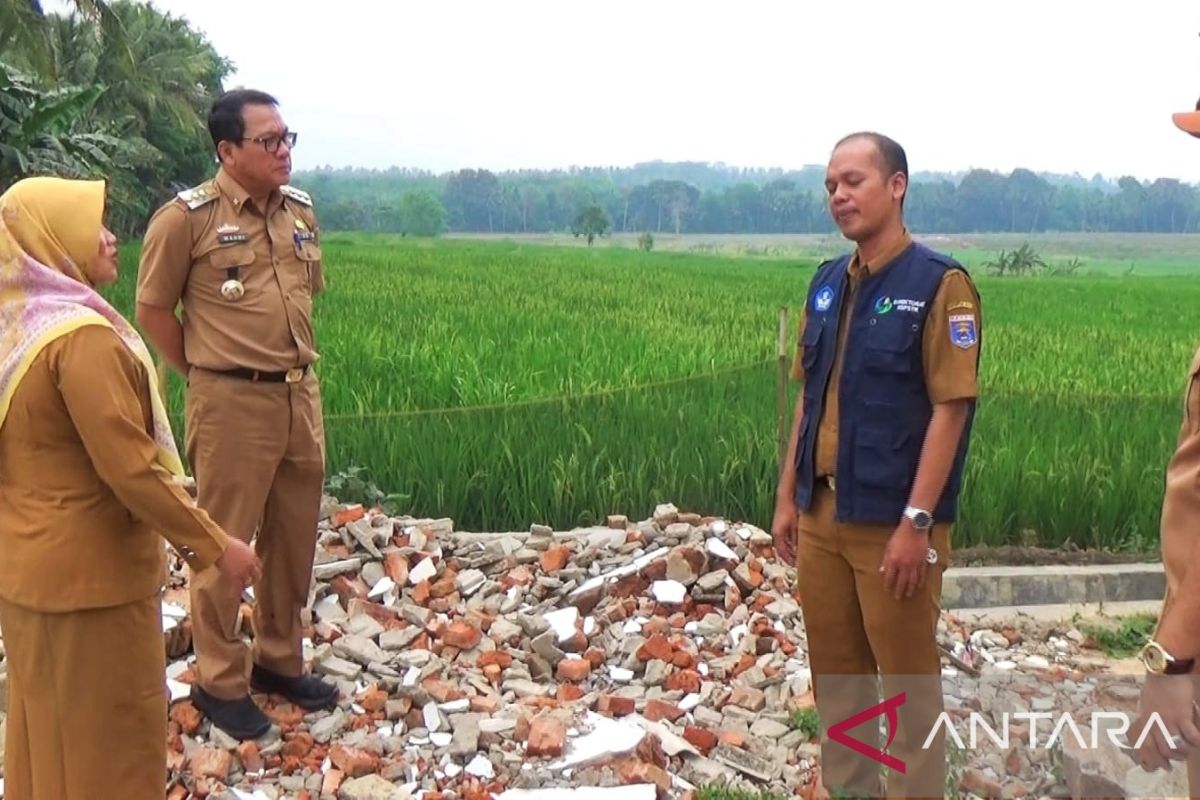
(241, 718)
(307, 691)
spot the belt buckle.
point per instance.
(831, 482)
(294, 375)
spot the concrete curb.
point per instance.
(990, 587)
(1067, 613)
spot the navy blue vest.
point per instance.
(883, 405)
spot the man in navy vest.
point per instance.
(888, 356)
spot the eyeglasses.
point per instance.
(270, 144)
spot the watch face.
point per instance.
(921, 520)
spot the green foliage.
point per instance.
(646, 241)
(720, 791)
(354, 485)
(806, 720)
(24, 39)
(119, 91)
(422, 213)
(1124, 638)
(589, 223)
(1024, 261)
(41, 134)
(1069, 267)
(1021, 262)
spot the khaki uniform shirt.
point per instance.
(1181, 502)
(82, 499)
(216, 233)
(950, 371)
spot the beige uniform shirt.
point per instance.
(215, 233)
(1181, 502)
(82, 499)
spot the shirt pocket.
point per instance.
(308, 255)
(224, 264)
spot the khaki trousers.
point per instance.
(87, 703)
(859, 636)
(258, 454)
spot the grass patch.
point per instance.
(806, 720)
(716, 791)
(1125, 637)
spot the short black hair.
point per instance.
(225, 122)
(892, 157)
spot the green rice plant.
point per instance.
(502, 384)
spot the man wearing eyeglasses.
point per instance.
(240, 255)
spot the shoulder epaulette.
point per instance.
(296, 194)
(198, 195)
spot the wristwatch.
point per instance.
(921, 519)
(1159, 662)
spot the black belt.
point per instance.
(292, 375)
(829, 481)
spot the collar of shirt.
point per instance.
(239, 198)
(859, 269)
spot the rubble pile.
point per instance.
(645, 659)
(666, 653)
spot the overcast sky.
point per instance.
(1057, 85)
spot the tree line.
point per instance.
(719, 199)
(121, 90)
(117, 90)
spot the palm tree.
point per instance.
(40, 131)
(158, 84)
(117, 89)
(23, 29)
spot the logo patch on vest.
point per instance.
(883, 305)
(823, 299)
(963, 331)
(911, 306)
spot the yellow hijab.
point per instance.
(49, 233)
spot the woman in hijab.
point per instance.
(89, 478)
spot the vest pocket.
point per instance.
(810, 342)
(880, 460)
(889, 347)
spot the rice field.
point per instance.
(504, 383)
